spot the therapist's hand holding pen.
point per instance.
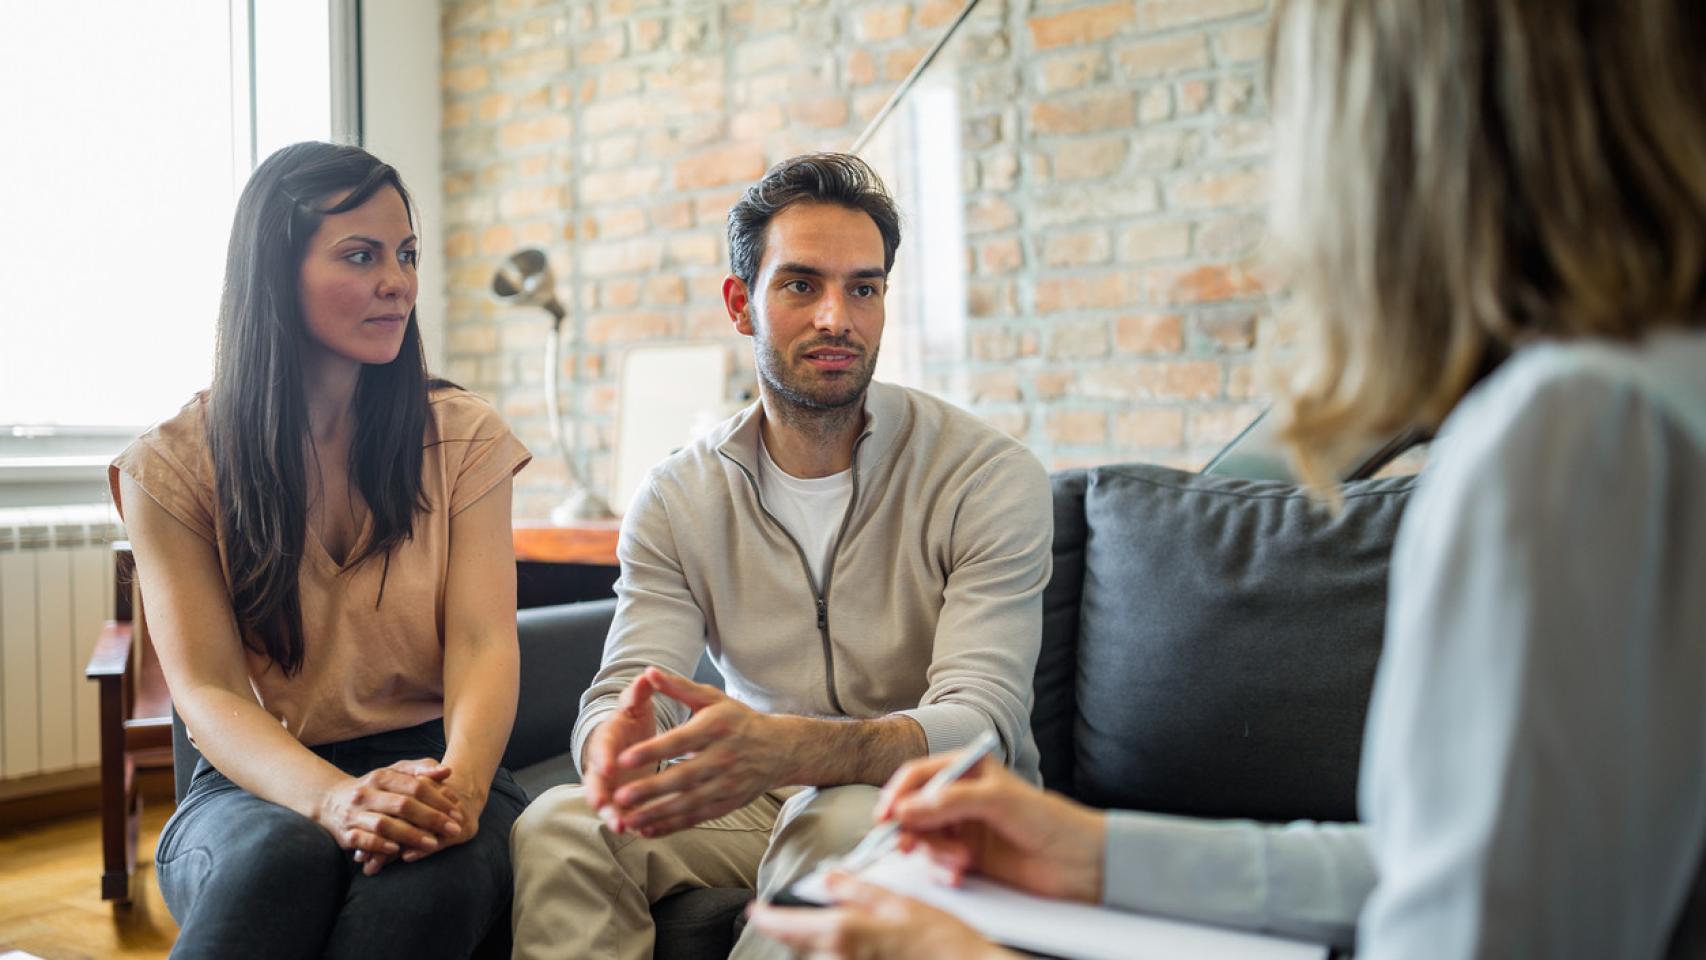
(992, 823)
(988, 822)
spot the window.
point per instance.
(131, 129)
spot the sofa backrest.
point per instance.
(1221, 635)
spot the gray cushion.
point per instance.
(1052, 712)
(698, 924)
(1229, 634)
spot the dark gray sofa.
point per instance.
(1208, 648)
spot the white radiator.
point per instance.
(56, 588)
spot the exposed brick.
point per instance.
(1242, 43)
(1153, 333)
(497, 240)
(1219, 425)
(1085, 113)
(589, 53)
(1180, 380)
(735, 163)
(618, 185)
(496, 106)
(1152, 427)
(1081, 26)
(1054, 384)
(1072, 70)
(993, 386)
(1079, 205)
(457, 116)
(1155, 104)
(1090, 159)
(645, 35)
(936, 13)
(1154, 58)
(635, 255)
(989, 298)
(672, 215)
(621, 294)
(1193, 97)
(1167, 14)
(1078, 341)
(1000, 171)
(466, 80)
(1014, 423)
(754, 122)
(1204, 284)
(699, 250)
(524, 202)
(1076, 249)
(1228, 332)
(825, 112)
(666, 291)
(987, 214)
(994, 345)
(886, 22)
(861, 68)
(1226, 238)
(627, 222)
(1057, 294)
(898, 63)
(1004, 255)
(1238, 188)
(1154, 240)
(552, 128)
(1077, 427)
(628, 327)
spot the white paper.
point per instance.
(1061, 928)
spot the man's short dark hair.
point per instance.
(838, 178)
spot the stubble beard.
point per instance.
(819, 407)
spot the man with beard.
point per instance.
(864, 562)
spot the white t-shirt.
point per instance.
(811, 510)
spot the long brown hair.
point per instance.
(1456, 178)
(258, 413)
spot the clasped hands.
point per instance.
(729, 754)
(406, 811)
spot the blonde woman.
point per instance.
(1461, 186)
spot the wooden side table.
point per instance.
(564, 564)
(589, 541)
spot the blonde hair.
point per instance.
(1455, 178)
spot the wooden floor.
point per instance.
(50, 893)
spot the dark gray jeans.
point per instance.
(248, 878)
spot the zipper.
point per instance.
(820, 594)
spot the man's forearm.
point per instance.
(826, 753)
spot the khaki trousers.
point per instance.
(584, 892)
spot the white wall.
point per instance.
(400, 111)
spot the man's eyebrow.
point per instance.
(807, 270)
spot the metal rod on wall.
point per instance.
(912, 78)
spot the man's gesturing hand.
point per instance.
(734, 753)
(632, 723)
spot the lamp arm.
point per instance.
(579, 502)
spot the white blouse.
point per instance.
(1534, 768)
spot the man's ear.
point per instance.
(738, 302)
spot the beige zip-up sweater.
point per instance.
(931, 604)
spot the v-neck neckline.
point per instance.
(325, 556)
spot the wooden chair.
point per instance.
(135, 724)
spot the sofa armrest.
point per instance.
(561, 648)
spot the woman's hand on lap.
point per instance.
(404, 811)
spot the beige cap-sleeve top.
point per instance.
(370, 666)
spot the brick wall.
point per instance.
(1113, 175)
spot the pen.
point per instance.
(885, 836)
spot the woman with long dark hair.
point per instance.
(323, 546)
